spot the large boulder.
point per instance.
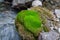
(44, 14)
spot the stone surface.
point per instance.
(52, 4)
(57, 12)
(36, 3)
(7, 18)
(15, 2)
(7, 27)
(52, 35)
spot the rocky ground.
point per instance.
(52, 4)
(7, 18)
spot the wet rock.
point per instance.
(7, 27)
(8, 32)
(7, 15)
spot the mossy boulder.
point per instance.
(30, 19)
(29, 23)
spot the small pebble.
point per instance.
(57, 12)
(36, 3)
(51, 28)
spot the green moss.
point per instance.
(31, 20)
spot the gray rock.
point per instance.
(36, 3)
(8, 32)
(15, 2)
(7, 17)
(57, 12)
(7, 27)
(52, 35)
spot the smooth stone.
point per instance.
(36, 3)
(52, 35)
(57, 12)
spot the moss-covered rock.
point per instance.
(30, 23)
